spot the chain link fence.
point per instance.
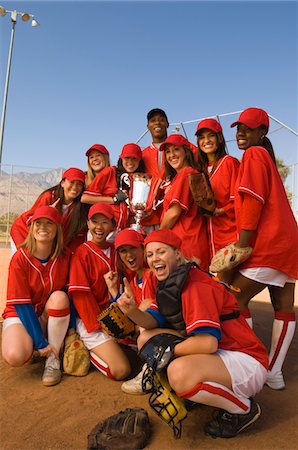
(21, 185)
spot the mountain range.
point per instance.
(19, 191)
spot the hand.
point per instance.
(218, 212)
(111, 279)
(119, 197)
(47, 351)
(126, 301)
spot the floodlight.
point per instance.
(34, 23)
(25, 17)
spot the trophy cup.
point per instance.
(141, 196)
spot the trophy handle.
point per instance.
(124, 179)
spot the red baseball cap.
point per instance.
(165, 236)
(211, 124)
(74, 174)
(101, 208)
(253, 118)
(46, 212)
(100, 148)
(129, 236)
(132, 151)
(175, 139)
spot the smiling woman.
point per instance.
(180, 213)
(91, 261)
(37, 311)
(65, 197)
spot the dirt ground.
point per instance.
(34, 417)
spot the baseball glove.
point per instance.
(115, 323)
(202, 193)
(76, 356)
(229, 257)
(129, 429)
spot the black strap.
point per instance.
(230, 316)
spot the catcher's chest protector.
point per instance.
(168, 297)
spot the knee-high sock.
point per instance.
(100, 365)
(58, 320)
(283, 331)
(218, 396)
(247, 316)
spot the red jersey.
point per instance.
(154, 165)
(104, 184)
(19, 228)
(31, 282)
(145, 289)
(275, 241)
(191, 226)
(222, 229)
(87, 286)
(203, 302)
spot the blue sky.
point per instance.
(92, 70)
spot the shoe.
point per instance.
(135, 385)
(275, 381)
(52, 374)
(227, 425)
(36, 358)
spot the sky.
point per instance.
(92, 70)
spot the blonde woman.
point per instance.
(37, 312)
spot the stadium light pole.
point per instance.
(13, 15)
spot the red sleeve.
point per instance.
(18, 288)
(104, 183)
(180, 192)
(87, 308)
(255, 175)
(205, 311)
(250, 212)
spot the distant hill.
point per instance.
(19, 191)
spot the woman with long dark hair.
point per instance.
(108, 186)
(180, 213)
(222, 170)
(66, 198)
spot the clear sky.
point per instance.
(92, 70)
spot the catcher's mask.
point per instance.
(163, 400)
(157, 352)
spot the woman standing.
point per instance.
(37, 311)
(222, 170)
(65, 197)
(180, 213)
(105, 188)
(266, 223)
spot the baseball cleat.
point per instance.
(227, 425)
(52, 374)
(135, 385)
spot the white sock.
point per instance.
(100, 365)
(218, 396)
(282, 334)
(57, 327)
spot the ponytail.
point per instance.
(269, 147)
